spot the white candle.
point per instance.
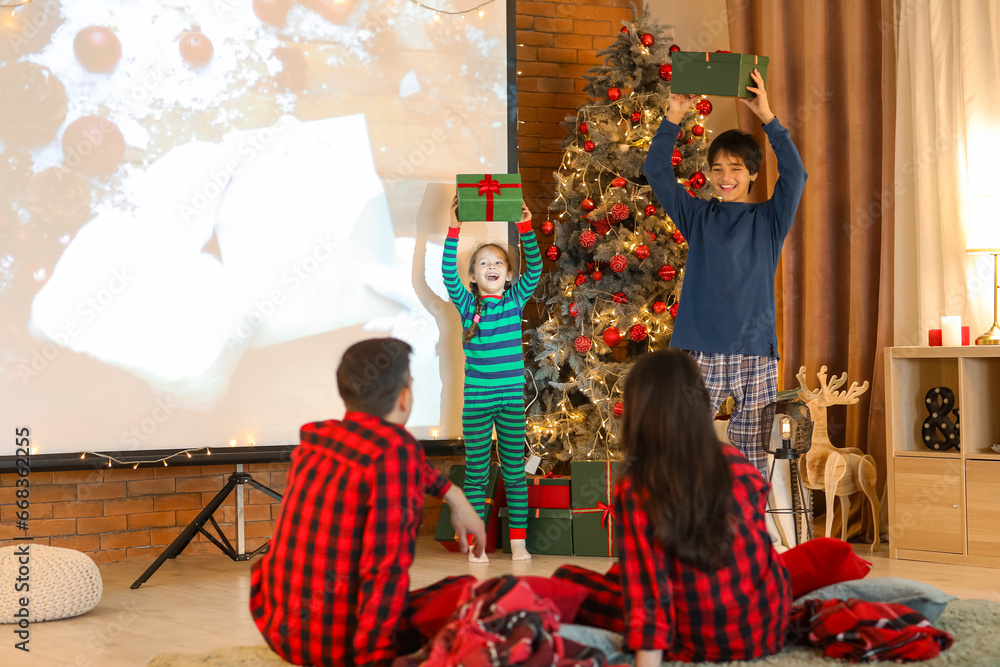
(951, 331)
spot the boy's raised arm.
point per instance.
(676, 202)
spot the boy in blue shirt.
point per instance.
(726, 317)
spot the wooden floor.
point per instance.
(197, 603)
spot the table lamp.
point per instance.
(984, 238)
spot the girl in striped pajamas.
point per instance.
(494, 367)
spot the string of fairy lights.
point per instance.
(460, 12)
(112, 460)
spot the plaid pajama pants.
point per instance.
(752, 381)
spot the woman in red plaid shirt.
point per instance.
(700, 579)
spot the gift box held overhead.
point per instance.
(593, 517)
(726, 74)
(550, 531)
(489, 197)
(549, 491)
(445, 533)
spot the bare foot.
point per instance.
(519, 551)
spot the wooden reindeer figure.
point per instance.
(838, 471)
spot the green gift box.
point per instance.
(704, 73)
(591, 482)
(550, 531)
(591, 486)
(594, 533)
(489, 197)
(445, 533)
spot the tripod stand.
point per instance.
(235, 483)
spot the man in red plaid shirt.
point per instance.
(332, 586)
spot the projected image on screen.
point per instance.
(204, 203)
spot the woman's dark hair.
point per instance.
(675, 461)
(372, 373)
(738, 144)
(469, 333)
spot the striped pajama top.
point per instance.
(494, 357)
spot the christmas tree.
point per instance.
(614, 293)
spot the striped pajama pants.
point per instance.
(503, 406)
(752, 381)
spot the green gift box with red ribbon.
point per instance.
(591, 488)
(550, 531)
(489, 197)
(706, 73)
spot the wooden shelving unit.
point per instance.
(944, 506)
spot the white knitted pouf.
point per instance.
(57, 583)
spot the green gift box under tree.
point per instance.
(705, 73)
(489, 197)
(591, 486)
(550, 531)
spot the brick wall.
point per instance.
(118, 513)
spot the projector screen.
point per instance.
(205, 202)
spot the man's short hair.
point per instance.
(738, 144)
(372, 373)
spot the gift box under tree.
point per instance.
(704, 73)
(549, 491)
(591, 486)
(550, 531)
(489, 197)
(445, 533)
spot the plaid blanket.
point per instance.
(500, 622)
(866, 631)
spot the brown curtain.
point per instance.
(831, 82)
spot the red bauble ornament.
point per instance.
(676, 158)
(580, 280)
(620, 297)
(619, 212)
(272, 12)
(614, 94)
(651, 236)
(704, 107)
(678, 237)
(602, 226)
(588, 146)
(619, 182)
(667, 272)
(636, 117)
(588, 239)
(674, 48)
(597, 275)
(646, 39)
(97, 49)
(650, 210)
(548, 228)
(583, 128)
(611, 337)
(666, 72)
(618, 263)
(698, 130)
(553, 252)
(94, 145)
(588, 204)
(673, 309)
(196, 49)
(659, 307)
(697, 180)
(619, 409)
(582, 344)
(638, 332)
(642, 251)
(573, 310)
(624, 30)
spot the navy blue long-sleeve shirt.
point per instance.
(727, 302)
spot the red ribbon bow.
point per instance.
(608, 512)
(491, 185)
